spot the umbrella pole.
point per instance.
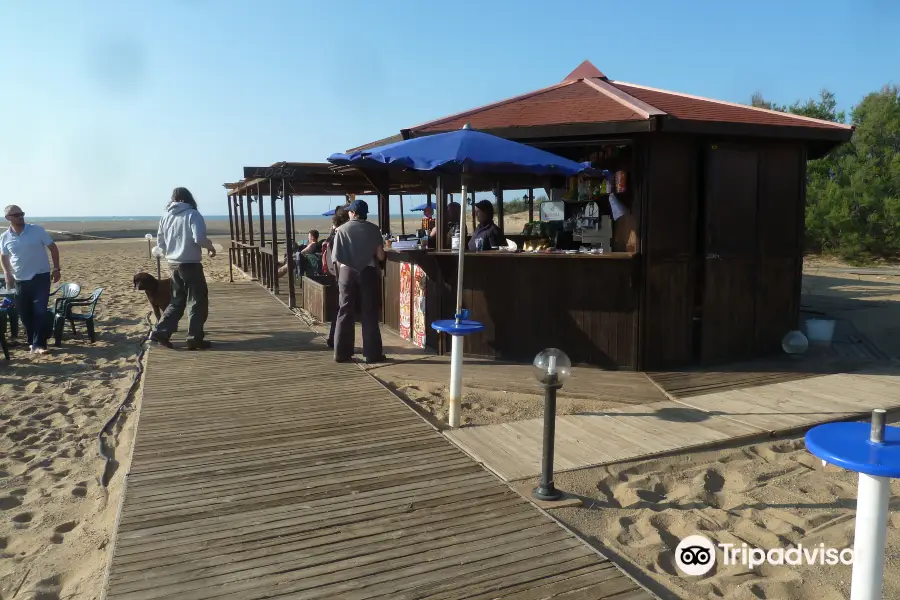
(456, 347)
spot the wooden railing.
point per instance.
(261, 263)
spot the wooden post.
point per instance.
(274, 238)
(231, 239)
(243, 233)
(530, 205)
(382, 183)
(253, 270)
(440, 202)
(402, 219)
(498, 194)
(289, 240)
(474, 221)
(263, 262)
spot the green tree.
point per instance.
(853, 193)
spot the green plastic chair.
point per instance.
(87, 318)
(64, 293)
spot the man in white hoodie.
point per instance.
(182, 238)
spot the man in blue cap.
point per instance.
(358, 249)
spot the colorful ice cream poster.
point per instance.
(405, 299)
(418, 304)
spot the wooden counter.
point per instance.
(503, 254)
(586, 305)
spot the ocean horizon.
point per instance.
(417, 215)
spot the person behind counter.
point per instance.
(487, 231)
(453, 213)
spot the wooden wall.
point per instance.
(782, 216)
(723, 227)
(669, 249)
(586, 306)
(319, 298)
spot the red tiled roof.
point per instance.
(576, 102)
(586, 96)
(695, 108)
(583, 71)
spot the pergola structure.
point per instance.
(258, 256)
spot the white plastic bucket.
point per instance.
(820, 330)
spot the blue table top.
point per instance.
(847, 445)
(464, 327)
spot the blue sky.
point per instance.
(106, 106)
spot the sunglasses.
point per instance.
(17, 215)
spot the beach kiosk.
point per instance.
(704, 260)
(700, 223)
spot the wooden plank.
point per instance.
(323, 485)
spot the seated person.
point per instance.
(313, 244)
(311, 254)
(308, 258)
(453, 213)
(487, 231)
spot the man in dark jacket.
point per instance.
(487, 235)
(182, 238)
(358, 249)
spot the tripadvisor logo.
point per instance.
(696, 555)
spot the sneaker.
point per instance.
(198, 345)
(40, 351)
(160, 339)
(375, 361)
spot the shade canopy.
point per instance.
(464, 150)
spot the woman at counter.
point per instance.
(487, 235)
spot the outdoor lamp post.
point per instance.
(551, 368)
(149, 238)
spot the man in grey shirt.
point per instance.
(358, 248)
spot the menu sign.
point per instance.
(553, 211)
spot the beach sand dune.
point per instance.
(56, 519)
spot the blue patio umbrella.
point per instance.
(330, 213)
(421, 207)
(462, 152)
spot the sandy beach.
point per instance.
(767, 495)
(58, 519)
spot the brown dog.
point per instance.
(159, 292)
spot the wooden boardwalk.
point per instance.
(513, 450)
(262, 469)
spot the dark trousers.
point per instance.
(188, 287)
(31, 300)
(362, 286)
(331, 332)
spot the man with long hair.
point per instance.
(182, 238)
